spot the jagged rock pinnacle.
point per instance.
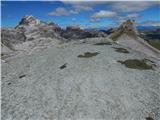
(29, 20)
(127, 27)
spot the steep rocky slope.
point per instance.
(128, 36)
(28, 31)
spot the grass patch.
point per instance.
(103, 43)
(149, 118)
(45, 31)
(136, 64)
(121, 50)
(88, 55)
(155, 43)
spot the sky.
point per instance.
(86, 14)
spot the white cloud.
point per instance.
(104, 14)
(150, 23)
(83, 3)
(96, 20)
(132, 6)
(133, 15)
(73, 19)
(73, 12)
(76, 8)
(80, 8)
(59, 12)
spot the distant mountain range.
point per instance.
(147, 27)
(138, 28)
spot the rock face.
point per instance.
(127, 27)
(34, 28)
(9, 37)
(13, 36)
(29, 20)
(128, 36)
(30, 29)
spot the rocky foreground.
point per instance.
(48, 78)
(79, 80)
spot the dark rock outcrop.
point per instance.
(73, 33)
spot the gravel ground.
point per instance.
(54, 84)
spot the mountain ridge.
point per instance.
(31, 31)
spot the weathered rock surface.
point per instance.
(30, 29)
(49, 80)
(125, 28)
(27, 32)
(128, 36)
(29, 20)
(34, 86)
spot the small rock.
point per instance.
(22, 76)
(63, 66)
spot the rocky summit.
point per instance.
(29, 20)
(50, 73)
(32, 29)
(127, 27)
(126, 34)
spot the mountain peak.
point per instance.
(127, 27)
(29, 20)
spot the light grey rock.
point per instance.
(97, 88)
(29, 20)
(31, 29)
(127, 35)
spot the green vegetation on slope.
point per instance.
(88, 55)
(121, 50)
(103, 43)
(154, 43)
(136, 64)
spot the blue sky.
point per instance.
(84, 14)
